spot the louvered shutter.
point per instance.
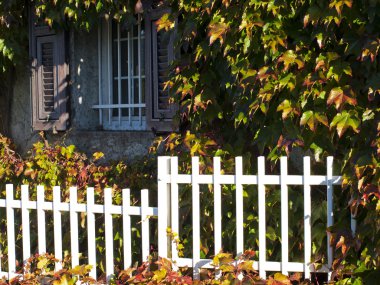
(160, 53)
(49, 78)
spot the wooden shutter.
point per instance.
(159, 54)
(49, 78)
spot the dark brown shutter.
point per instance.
(160, 53)
(49, 78)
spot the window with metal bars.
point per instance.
(122, 76)
(134, 64)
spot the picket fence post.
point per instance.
(10, 232)
(163, 200)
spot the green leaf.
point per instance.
(271, 234)
(368, 115)
(311, 119)
(249, 73)
(343, 121)
(99, 6)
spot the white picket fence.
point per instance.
(169, 179)
(168, 216)
(74, 208)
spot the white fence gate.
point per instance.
(168, 211)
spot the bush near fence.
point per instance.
(42, 151)
(39, 269)
(54, 164)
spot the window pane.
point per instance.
(115, 112)
(136, 94)
(143, 95)
(123, 31)
(135, 30)
(142, 56)
(135, 57)
(124, 58)
(114, 30)
(129, 71)
(124, 96)
(114, 59)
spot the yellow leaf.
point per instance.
(282, 278)
(217, 31)
(287, 108)
(164, 23)
(42, 263)
(159, 274)
(98, 155)
(290, 57)
(65, 280)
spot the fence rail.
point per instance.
(167, 212)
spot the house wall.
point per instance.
(84, 131)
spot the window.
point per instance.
(134, 64)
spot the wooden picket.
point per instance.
(167, 212)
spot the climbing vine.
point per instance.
(274, 77)
(263, 77)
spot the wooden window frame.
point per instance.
(151, 79)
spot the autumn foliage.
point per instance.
(271, 77)
(265, 77)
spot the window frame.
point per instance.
(106, 80)
(106, 84)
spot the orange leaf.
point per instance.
(338, 97)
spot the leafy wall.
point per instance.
(264, 77)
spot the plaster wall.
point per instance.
(84, 80)
(20, 125)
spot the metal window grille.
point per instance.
(122, 76)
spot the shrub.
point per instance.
(39, 270)
(55, 164)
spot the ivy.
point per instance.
(272, 76)
(261, 77)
